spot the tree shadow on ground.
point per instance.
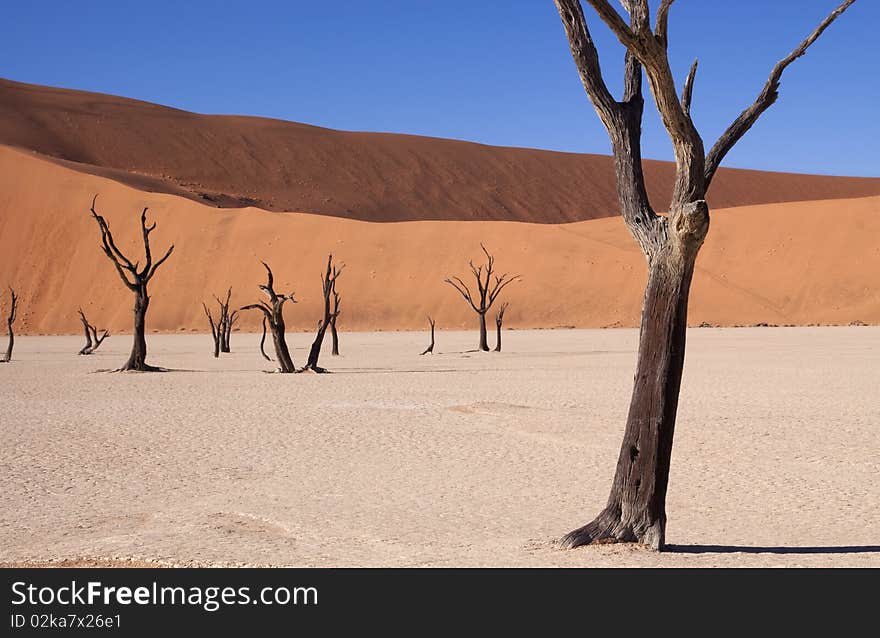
(746, 549)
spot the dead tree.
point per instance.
(10, 319)
(636, 508)
(333, 316)
(487, 288)
(225, 321)
(430, 348)
(499, 319)
(135, 279)
(263, 342)
(273, 313)
(215, 330)
(328, 285)
(92, 338)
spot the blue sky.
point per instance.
(491, 71)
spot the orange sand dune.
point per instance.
(795, 263)
(232, 161)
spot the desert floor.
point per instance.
(456, 459)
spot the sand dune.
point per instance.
(236, 161)
(797, 263)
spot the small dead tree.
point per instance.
(135, 279)
(10, 319)
(334, 314)
(225, 321)
(636, 508)
(273, 314)
(499, 319)
(263, 342)
(91, 332)
(489, 286)
(328, 285)
(430, 348)
(215, 329)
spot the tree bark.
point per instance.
(10, 320)
(635, 511)
(263, 342)
(328, 285)
(484, 342)
(282, 353)
(430, 348)
(335, 338)
(137, 360)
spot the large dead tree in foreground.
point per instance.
(499, 319)
(135, 279)
(93, 341)
(334, 315)
(273, 313)
(10, 319)
(430, 348)
(636, 509)
(489, 286)
(328, 286)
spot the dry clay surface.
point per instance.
(460, 458)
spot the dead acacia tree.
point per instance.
(273, 313)
(135, 279)
(430, 348)
(334, 314)
(489, 286)
(225, 321)
(636, 508)
(215, 329)
(10, 319)
(328, 285)
(499, 319)
(263, 342)
(91, 332)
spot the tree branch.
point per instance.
(765, 99)
(661, 25)
(688, 90)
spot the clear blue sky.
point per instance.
(491, 71)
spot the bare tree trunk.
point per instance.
(635, 511)
(328, 284)
(227, 334)
(430, 348)
(484, 342)
(334, 315)
(263, 342)
(282, 353)
(137, 360)
(13, 313)
(215, 330)
(335, 337)
(499, 319)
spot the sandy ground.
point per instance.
(460, 459)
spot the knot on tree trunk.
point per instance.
(690, 224)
